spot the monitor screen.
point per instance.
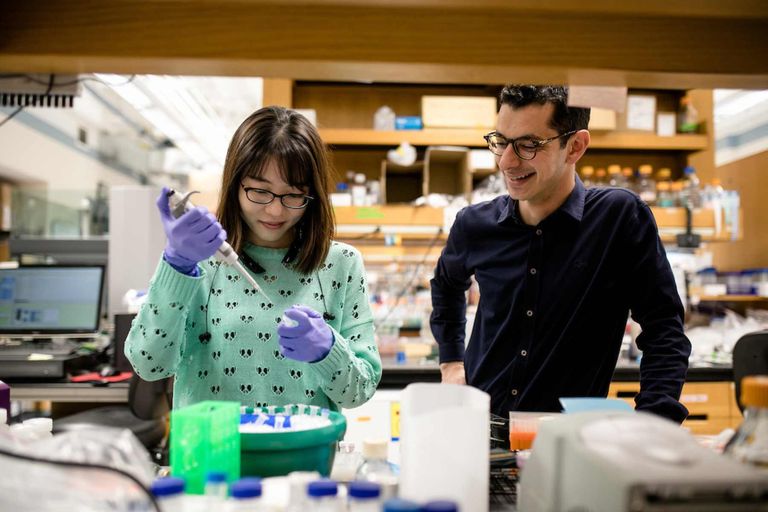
(50, 299)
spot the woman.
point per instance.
(223, 340)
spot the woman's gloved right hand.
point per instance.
(193, 237)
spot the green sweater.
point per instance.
(242, 361)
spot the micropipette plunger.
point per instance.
(180, 203)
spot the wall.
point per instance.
(750, 177)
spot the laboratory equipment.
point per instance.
(169, 493)
(400, 505)
(440, 506)
(216, 489)
(179, 203)
(205, 438)
(323, 496)
(375, 467)
(750, 443)
(444, 440)
(614, 461)
(246, 495)
(364, 497)
(346, 462)
(281, 452)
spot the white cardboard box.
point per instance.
(458, 112)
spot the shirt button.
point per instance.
(538, 232)
(529, 313)
(523, 353)
(514, 392)
(533, 271)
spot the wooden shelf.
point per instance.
(370, 225)
(474, 138)
(732, 298)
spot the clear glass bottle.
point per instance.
(629, 178)
(688, 117)
(246, 495)
(750, 443)
(646, 187)
(615, 178)
(216, 488)
(169, 493)
(664, 197)
(600, 177)
(692, 188)
(588, 175)
(375, 467)
(298, 481)
(364, 497)
(323, 496)
(346, 462)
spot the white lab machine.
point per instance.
(632, 462)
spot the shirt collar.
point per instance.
(573, 206)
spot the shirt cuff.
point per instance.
(175, 283)
(333, 360)
(450, 352)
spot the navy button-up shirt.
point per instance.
(554, 302)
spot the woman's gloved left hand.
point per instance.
(309, 340)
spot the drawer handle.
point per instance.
(697, 417)
(626, 394)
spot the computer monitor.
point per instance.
(50, 299)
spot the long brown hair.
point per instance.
(289, 139)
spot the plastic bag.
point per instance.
(103, 469)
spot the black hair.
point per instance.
(564, 119)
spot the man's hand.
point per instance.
(453, 373)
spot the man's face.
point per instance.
(539, 179)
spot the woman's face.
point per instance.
(271, 225)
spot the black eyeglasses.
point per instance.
(525, 147)
(261, 196)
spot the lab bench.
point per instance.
(708, 392)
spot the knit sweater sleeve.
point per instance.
(158, 336)
(352, 369)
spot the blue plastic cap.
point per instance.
(440, 506)
(398, 505)
(322, 488)
(246, 488)
(364, 490)
(689, 170)
(342, 187)
(216, 477)
(167, 486)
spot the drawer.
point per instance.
(710, 399)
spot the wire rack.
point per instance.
(503, 468)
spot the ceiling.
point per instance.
(190, 118)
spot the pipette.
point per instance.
(180, 203)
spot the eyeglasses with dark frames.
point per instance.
(525, 147)
(292, 201)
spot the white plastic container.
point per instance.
(444, 439)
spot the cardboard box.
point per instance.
(446, 171)
(458, 112)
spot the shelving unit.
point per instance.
(412, 229)
(733, 298)
(474, 139)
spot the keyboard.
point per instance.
(38, 347)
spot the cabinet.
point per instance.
(711, 405)
(415, 228)
(345, 113)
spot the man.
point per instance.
(559, 267)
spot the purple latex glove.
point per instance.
(193, 237)
(309, 340)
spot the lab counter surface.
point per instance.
(398, 375)
(394, 376)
